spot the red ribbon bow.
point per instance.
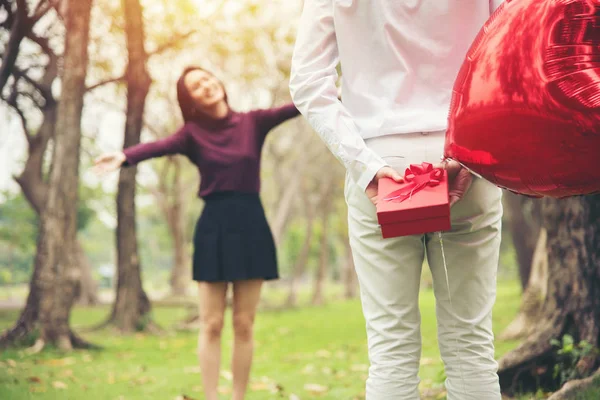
(419, 176)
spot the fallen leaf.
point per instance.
(125, 356)
(34, 379)
(86, 358)
(59, 385)
(283, 331)
(141, 380)
(194, 369)
(67, 373)
(294, 397)
(58, 362)
(427, 361)
(183, 397)
(227, 375)
(323, 354)
(256, 386)
(224, 390)
(314, 388)
(326, 371)
(359, 367)
(309, 369)
(11, 363)
(37, 389)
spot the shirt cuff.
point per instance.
(366, 171)
(129, 159)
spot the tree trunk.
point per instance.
(88, 295)
(572, 303)
(288, 190)
(55, 279)
(319, 283)
(350, 279)
(31, 180)
(180, 273)
(524, 225)
(132, 306)
(300, 265)
(284, 208)
(533, 297)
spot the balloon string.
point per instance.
(452, 310)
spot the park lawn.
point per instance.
(309, 352)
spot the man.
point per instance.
(399, 60)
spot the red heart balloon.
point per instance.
(525, 111)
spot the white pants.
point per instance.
(389, 272)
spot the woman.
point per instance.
(232, 241)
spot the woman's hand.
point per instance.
(108, 162)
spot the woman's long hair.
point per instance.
(189, 109)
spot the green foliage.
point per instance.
(18, 221)
(568, 355)
(19, 229)
(18, 235)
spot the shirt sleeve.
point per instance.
(270, 118)
(494, 4)
(313, 89)
(177, 143)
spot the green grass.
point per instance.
(310, 352)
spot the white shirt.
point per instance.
(399, 60)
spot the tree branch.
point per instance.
(39, 105)
(40, 10)
(20, 73)
(161, 48)
(58, 6)
(19, 29)
(12, 102)
(105, 82)
(43, 42)
(7, 6)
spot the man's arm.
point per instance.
(312, 85)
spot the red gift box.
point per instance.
(417, 206)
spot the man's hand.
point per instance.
(459, 179)
(385, 172)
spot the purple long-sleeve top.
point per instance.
(227, 152)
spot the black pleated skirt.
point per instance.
(233, 241)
